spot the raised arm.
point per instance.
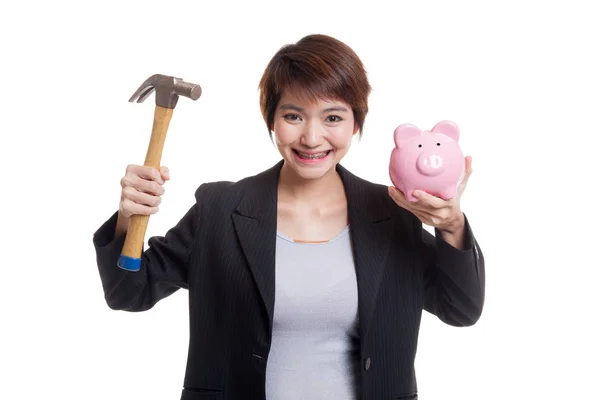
(164, 264)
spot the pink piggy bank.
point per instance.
(427, 160)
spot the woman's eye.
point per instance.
(292, 117)
(333, 118)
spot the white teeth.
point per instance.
(313, 156)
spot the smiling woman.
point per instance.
(305, 281)
(316, 67)
(314, 96)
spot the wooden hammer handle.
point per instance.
(131, 253)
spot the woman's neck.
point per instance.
(314, 192)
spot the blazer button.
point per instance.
(367, 363)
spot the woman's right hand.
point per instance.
(142, 187)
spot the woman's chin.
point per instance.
(310, 171)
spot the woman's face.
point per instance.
(312, 137)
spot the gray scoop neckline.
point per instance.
(333, 239)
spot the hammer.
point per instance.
(168, 89)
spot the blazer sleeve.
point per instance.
(164, 264)
(454, 278)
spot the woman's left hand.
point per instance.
(444, 215)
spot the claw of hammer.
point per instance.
(168, 89)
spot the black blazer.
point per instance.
(223, 252)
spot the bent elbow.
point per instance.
(460, 314)
(123, 303)
(117, 304)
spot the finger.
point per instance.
(398, 197)
(141, 197)
(146, 186)
(468, 167)
(468, 172)
(427, 200)
(401, 201)
(148, 173)
(165, 173)
(134, 208)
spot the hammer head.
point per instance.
(168, 89)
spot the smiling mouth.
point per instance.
(312, 156)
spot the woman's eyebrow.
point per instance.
(291, 107)
(336, 108)
(300, 109)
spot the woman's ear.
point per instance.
(355, 129)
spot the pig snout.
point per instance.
(430, 164)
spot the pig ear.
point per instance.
(448, 128)
(405, 131)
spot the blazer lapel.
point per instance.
(255, 221)
(371, 230)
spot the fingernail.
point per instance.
(416, 193)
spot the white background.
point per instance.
(520, 78)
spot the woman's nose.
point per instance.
(312, 136)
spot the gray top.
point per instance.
(315, 350)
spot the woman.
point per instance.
(304, 281)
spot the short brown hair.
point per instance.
(321, 67)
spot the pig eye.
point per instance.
(438, 144)
(420, 145)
